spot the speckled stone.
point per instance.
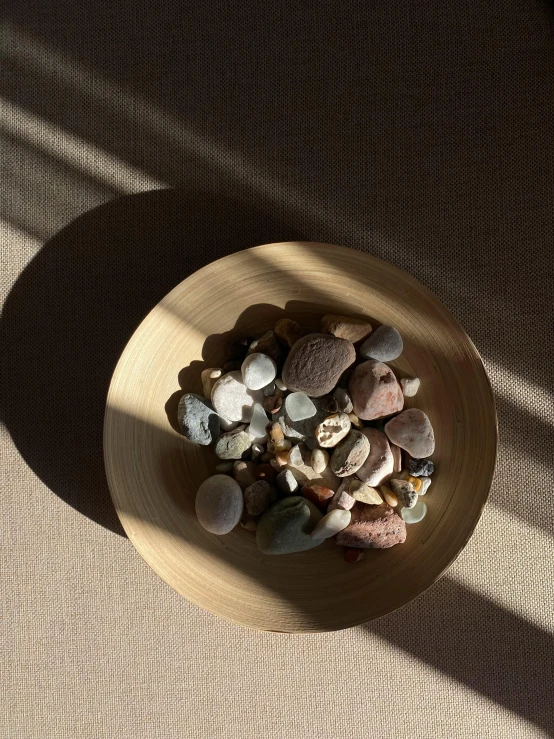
(375, 391)
(233, 400)
(316, 362)
(419, 467)
(379, 464)
(286, 527)
(219, 504)
(350, 454)
(197, 419)
(345, 327)
(258, 497)
(373, 527)
(384, 345)
(405, 491)
(233, 444)
(411, 430)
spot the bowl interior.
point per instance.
(153, 472)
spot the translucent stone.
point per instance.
(299, 407)
(258, 424)
(415, 514)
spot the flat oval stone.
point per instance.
(233, 400)
(258, 370)
(286, 527)
(375, 391)
(379, 464)
(197, 419)
(384, 345)
(350, 454)
(320, 460)
(411, 430)
(219, 504)
(415, 514)
(233, 444)
(425, 485)
(373, 527)
(344, 327)
(333, 522)
(316, 362)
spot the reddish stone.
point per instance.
(318, 494)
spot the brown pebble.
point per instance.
(353, 555)
(318, 494)
(258, 497)
(288, 331)
(276, 432)
(282, 458)
(345, 327)
(243, 472)
(265, 472)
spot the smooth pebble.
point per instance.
(257, 430)
(320, 460)
(415, 514)
(298, 407)
(280, 384)
(405, 491)
(233, 400)
(411, 430)
(258, 370)
(219, 504)
(333, 522)
(375, 391)
(233, 444)
(286, 526)
(364, 493)
(345, 327)
(410, 386)
(384, 345)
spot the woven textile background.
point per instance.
(176, 133)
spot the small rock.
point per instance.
(316, 362)
(384, 345)
(219, 504)
(410, 386)
(364, 493)
(375, 391)
(233, 444)
(243, 472)
(415, 514)
(232, 365)
(258, 370)
(265, 472)
(396, 457)
(425, 484)
(342, 499)
(298, 407)
(415, 483)
(276, 447)
(379, 464)
(320, 460)
(257, 430)
(266, 457)
(344, 327)
(197, 419)
(273, 404)
(419, 467)
(267, 344)
(405, 492)
(257, 451)
(373, 527)
(286, 527)
(344, 403)
(258, 497)
(388, 495)
(288, 331)
(276, 432)
(209, 377)
(332, 430)
(333, 522)
(280, 384)
(225, 468)
(350, 454)
(233, 400)
(269, 389)
(299, 463)
(353, 555)
(286, 483)
(318, 494)
(411, 430)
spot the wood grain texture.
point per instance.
(153, 472)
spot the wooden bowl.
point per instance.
(153, 472)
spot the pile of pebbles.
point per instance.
(313, 439)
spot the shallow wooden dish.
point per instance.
(153, 472)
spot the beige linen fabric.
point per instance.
(419, 132)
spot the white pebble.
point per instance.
(280, 384)
(258, 425)
(258, 370)
(232, 399)
(415, 514)
(299, 407)
(333, 522)
(320, 460)
(425, 483)
(410, 386)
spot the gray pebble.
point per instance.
(197, 419)
(419, 467)
(233, 444)
(350, 454)
(405, 491)
(384, 344)
(286, 527)
(219, 504)
(286, 483)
